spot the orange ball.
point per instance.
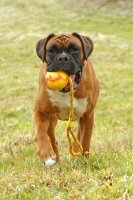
(56, 80)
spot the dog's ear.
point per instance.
(41, 47)
(87, 44)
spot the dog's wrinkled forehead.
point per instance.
(63, 40)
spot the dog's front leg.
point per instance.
(86, 123)
(45, 149)
(85, 126)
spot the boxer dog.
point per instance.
(68, 52)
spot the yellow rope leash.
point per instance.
(69, 130)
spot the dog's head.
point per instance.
(65, 52)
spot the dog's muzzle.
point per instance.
(65, 63)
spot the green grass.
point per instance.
(108, 173)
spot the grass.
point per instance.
(108, 173)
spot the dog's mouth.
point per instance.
(76, 78)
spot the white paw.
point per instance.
(49, 162)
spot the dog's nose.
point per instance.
(63, 58)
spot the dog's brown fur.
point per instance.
(46, 114)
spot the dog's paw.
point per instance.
(47, 155)
(49, 162)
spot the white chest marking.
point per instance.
(62, 100)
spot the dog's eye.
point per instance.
(74, 50)
(51, 51)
